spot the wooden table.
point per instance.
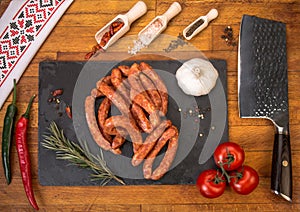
(74, 36)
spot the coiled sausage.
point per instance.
(92, 123)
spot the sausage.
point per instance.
(92, 123)
(143, 101)
(116, 77)
(141, 118)
(162, 89)
(116, 151)
(117, 141)
(126, 83)
(117, 82)
(124, 69)
(155, 118)
(106, 79)
(103, 111)
(102, 115)
(140, 102)
(102, 81)
(167, 160)
(115, 97)
(151, 90)
(96, 93)
(134, 69)
(109, 126)
(149, 142)
(135, 82)
(168, 134)
(127, 124)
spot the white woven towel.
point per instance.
(23, 28)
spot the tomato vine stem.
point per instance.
(224, 173)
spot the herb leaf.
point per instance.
(81, 156)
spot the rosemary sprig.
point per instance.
(81, 156)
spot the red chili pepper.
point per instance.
(23, 154)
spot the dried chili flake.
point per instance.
(113, 29)
(95, 49)
(117, 24)
(57, 92)
(69, 111)
(118, 27)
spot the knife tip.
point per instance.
(283, 196)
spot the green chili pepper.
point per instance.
(7, 134)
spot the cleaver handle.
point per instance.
(281, 177)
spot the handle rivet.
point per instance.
(285, 163)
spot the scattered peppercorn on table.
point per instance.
(73, 37)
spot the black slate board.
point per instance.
(53, 172)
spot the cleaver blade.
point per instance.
(263, 90)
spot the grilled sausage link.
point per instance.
(117, 82)
(167, 160)
(92, 123)
(116, 77)
(167, 135)
(102, 115)
(141, 118)
(149, 143)
(134, 69)
(143, 101)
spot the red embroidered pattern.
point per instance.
(19, 34)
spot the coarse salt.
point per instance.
(146, 37)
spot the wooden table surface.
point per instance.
(73, 36)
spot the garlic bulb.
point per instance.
(197, 77)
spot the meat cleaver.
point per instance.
(263, 90)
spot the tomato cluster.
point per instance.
(229, 157)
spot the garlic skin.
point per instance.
(197, 77)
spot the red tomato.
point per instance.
(230, 154)
(211, 183)
(244, 180)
